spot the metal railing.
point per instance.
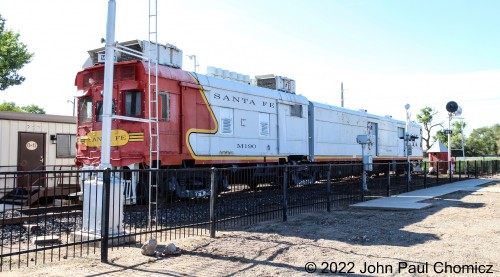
(85, 212)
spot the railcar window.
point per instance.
(296, 110)
(226, 116)
(85, 109)
(165, 106)
(65, 146)
(99, 110)
(92, 78)
(401, 133)
(264, 124)
(133, 103)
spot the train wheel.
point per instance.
(302, 176)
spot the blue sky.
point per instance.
(387, 53)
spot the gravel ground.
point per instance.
(458, 235)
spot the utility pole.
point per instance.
(108, 86)
(342, 94)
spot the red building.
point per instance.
(438, 153)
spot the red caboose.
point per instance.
(178, 92)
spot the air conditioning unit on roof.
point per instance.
(168, 54)
(276, 82)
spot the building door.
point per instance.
(30, 157)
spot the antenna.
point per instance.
(193, 57)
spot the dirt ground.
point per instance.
(459, 234)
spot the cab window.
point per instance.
(165, 106)
(99, 110)
(85, 109)
(133, 103)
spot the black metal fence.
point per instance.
(77, 213)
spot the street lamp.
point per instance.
(193, 57)
(73, 103)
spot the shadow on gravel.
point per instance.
(365, 227)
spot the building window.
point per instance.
(66, 146)
(264, 124)
(133, 103)
(226, 116)
(296, 110)
(85, 109)
(165, 106)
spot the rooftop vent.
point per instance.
(276, 82)
(226, 74)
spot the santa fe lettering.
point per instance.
(238, 99)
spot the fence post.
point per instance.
(425, 175)
(459, 171)
(449, 172)
(285, 196)
(482, 168)
(467, 169)
(213, 196)
(105, 215)
(389, 179)
(329, 189)
(362, 181)
(475, 169)
(437, 172)
(408, 176)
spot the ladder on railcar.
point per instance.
(152, 56)
(154, 151)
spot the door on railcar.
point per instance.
(373, 135)
(283, 110)
(293, 134)
(30, 157)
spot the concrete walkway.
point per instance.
(411, 200)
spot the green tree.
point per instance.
(482, 142)
(426, 117)
(13, 56)
(9, 107)
(456, 138)
(12, 107)
(33, 109)
(496, 131)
